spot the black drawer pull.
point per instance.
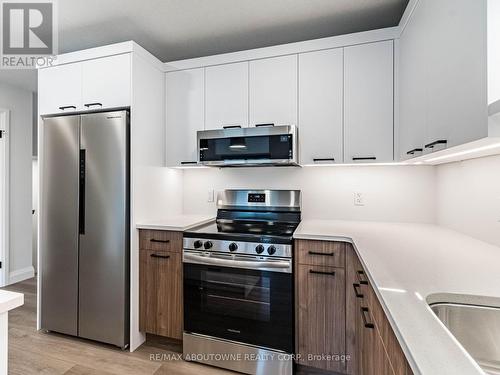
(160, 241)
(92, 104)
(66, 107)
(357, 158)
(324, 254)
(435, 143)
(188, 162)
(367, 324)
(361, 277)
(356, 292)
(415, 150)
(232, 127)
(323, 159)
(322, 273)
(160, 256)
(261, 125)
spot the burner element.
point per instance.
(233, 247)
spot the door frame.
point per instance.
(4, 197)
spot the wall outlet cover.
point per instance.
(359, 199)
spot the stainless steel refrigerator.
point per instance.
(84, 226)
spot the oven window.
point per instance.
(236, 295)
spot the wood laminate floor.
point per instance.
(35, 352)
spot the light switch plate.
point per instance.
(210, 196)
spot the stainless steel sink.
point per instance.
(477, 328)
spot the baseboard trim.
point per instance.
(21, 275)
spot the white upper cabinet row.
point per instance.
(341, 99)
(92, 84)
(443, 79)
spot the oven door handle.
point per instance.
(213, 260)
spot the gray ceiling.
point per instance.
(179, 29)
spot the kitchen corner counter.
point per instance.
(411, 265)
(177, 223)
(8, 301)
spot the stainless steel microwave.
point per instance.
(253, 146)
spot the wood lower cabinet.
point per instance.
(160, 285)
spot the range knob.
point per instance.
(208, 245)
(271, 250)
(197, 244)
(259, 249)
(233, 247)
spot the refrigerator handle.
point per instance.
(81, 202)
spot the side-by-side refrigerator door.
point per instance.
(103, 292)
(59, 224)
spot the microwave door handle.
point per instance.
(219, 261)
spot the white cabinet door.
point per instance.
(185, 115)
(321, 80)
(368, 103)
(413, 87)
(60, 89)
(273, 91)
(226, 95)
(107, 82)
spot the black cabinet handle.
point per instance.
(92, 104)
(232, 127)
(81, 194)
(324, 254)
(435, 143)
(160, 241)
(361, 277)
(356, 292)
(261, 125)
(412, 152)
(323, 159)
(357, 158)
(188, 162)
(2, 132)
(322, 273)
(160, 256)
(66, 107)
(367, 324)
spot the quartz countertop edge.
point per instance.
(411, 265)
(10, 300)
(177, 223)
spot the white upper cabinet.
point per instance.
(60, 89)
(273, 91)
(99, 83)
(226, 91)
(321, 80)
(106, 82)
(368, 102)
(185, 115)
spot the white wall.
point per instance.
(19, 102)
(392, 193)
(468, 197)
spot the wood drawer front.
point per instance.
(160, 296)
(160, 240)
(320, 315)
(321, 253)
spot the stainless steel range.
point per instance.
(238, 283)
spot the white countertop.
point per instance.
(177, 223)
(411, 264)
(10, 300)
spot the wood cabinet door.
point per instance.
(226, 91)
(60, 87)
(321, 97)
(160, 297)
(321, 316)
(273, 91)
(369, 102)
(106, 82)
(185, 96)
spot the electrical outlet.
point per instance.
(210, 196)
(359, 199)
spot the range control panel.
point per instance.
(256, 198)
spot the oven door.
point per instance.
(248, 146)
(244, 305)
